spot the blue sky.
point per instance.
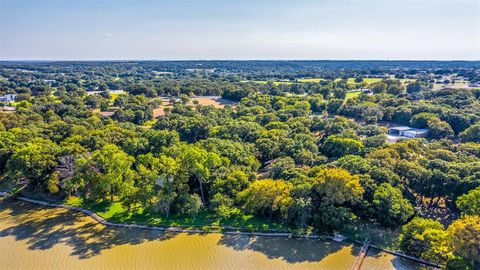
(239, 29)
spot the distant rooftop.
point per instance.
(400, 128)
(418, 131)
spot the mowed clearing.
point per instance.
(215, 101)
(350, 81)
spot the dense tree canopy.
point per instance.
(303, 144)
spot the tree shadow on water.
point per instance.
(43, 228)
(389, 261)
(292, 250)
(404, 264)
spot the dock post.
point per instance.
(361, 255)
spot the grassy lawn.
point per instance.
(150, 123)
(116, 212)
(456, 85)
(367, 80)
(114, 96)
(306, 80)
(353, 94)
(274, 82)
(405, 81)
(350, 81)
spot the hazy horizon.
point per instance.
(239, 60)
(165, 30)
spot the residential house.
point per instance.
(8, 98)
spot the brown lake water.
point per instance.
(34, 237)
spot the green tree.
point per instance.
(7, 145)
(33, 162)
(458, 121)
(391, 208)
(153, 172)
(335, 146)
(354, 164)
(469, 203)
(337, 186)
(52, 184)
(197, 165)
(395, 89)
(93, 101)
(282, 168)
(267, 197)
(465, 238)
(378, 87)
(471, 134)
(421, 120)
(106, 173)
(300, 211)
(415, 87)
(333, 190)
(160, 139)
(334, 105)
(192, 205)
(426, 239)
(438, 129)
(104, 105)
(358, 80)
(232, 184)
(164, 202)
(403, 115)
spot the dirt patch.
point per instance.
(215, 101)
(160, 111)
(107, 114)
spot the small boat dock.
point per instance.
(361, 255)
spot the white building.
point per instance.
(408, 132)
(8, 97)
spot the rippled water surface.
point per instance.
(34, 237)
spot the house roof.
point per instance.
(417, 131)
(400, 128)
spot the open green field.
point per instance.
(353, 94)
(116, 212)
(405, 81)
(307, 80)
(367, 80)
(274, 82)
(350, 81)
(456, 85)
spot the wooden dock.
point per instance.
(361, 255)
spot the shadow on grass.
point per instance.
(97, 207)
(378, 235)
(146, 217)
(43, 228)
